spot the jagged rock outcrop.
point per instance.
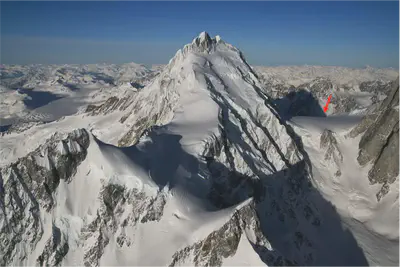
(111, 104)
(112, 219)
(223, 243)
(380, 142)
(28, 185)
(333, 154)
(319, 86)
(55, 249)
(377, 87)
(28, 189)
(21, 126)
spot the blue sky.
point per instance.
(352, 34)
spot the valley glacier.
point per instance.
(204, 161)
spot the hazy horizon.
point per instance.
(348, 34)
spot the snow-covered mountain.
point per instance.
(352, 90)
(66, 76)
(296, 75)
(37, 93)
(202, 166)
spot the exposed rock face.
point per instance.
(111, 104)
(380, 142)
(344, 104)
(120, 208)
(223, 243)
(319, 86)
(377, 87)
(27, 186)
(55, 249)
(333, 153)
(21, 126)
(28, 189)
(277, 200)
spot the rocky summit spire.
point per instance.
(203, 42)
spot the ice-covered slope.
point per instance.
(206, 171)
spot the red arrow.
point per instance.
(327, 103)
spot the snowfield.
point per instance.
(371, 222)
(203, 161)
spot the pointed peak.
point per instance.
(204, 36)
(203, 43)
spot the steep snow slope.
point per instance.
(349, 190)
(244, 256)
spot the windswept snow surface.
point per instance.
(245, 255)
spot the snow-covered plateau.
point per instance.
(205, 161)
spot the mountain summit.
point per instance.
(203, 40)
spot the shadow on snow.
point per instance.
(302, 227)
(299, 103)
